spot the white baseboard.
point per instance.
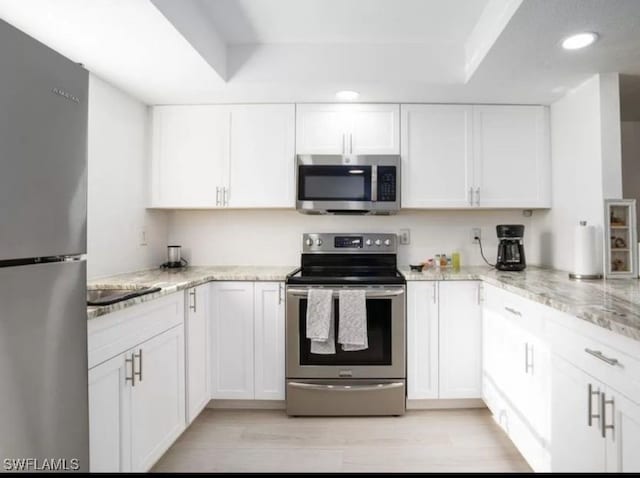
(436, 404)
(248, 404)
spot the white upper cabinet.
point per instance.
(348, 129)
(190, 151)
(512, 166)
(437, 162)
(262, 156)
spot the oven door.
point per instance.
(385, 356)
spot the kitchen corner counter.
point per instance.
(611, 304)
(171, 281)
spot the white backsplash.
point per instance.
(274, 237)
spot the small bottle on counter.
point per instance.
(455, 260)
(443, 260)
(436, 261)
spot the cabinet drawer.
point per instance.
(116, 333)
(518, 310)
(592, 356)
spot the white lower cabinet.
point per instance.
(136, 384)
(444, 323)
(197, 349)
(247, 340)
(136, 404)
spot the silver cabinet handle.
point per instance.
(217, 195)
(343, 142)
(139, 372)
(381, 294)
(279, 293)
(603, 412)
(435, 292)
(590, 414)
(192, 305)
(528, 365)
(131, 379)
(351, 143)
(601, 356)
(513, 311)
(347, 388)
(479, 294)
(470, 196)
(225, 196)
(477, 196)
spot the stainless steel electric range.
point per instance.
(366, 382)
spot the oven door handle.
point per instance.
(378, 294)
(347, 388)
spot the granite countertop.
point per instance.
(611, 304)
(171, 281)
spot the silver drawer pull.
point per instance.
(379, 294)
(347, 388)
(601, 356)
(513, 311)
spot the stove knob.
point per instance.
(387, 242)
(378, 242)
(309, 242)
(368, 242)
(318, 242)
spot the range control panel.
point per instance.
(369, 243)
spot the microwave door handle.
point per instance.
(374, 183)
(378, 294)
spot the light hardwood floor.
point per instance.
(269, 441)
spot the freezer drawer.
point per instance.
(346, 397)
(43, 362)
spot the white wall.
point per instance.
(117, 183)
(586, 165)
(631, 162)
(274, 237)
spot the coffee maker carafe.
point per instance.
(510, 248)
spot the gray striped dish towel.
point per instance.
(320, 321)
(352, 331)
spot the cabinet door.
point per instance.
(623, 442)
(374, 129)
(262, 165)
(109, 402)
(422, 339)
(460, 339)
(575, 445)
(511, 156)
(157, 398)
(269, 336)
(436, 156)
(232, 340)
(197, 347)
(321, 129)
(494, 363)
(190, 155)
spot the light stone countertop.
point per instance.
(173, 280)
(612, 304)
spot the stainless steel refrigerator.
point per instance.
(43, 210)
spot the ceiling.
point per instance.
(200, 51)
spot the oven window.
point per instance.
(379, 336)
(334, 183)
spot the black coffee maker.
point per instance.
(510, 248)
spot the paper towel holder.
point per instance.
(575, 276)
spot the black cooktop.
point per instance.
(347, 269)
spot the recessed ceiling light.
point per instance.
(347, 95)
(579, 40)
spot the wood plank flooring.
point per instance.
(269, 441)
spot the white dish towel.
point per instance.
(352, 333)
(320, 321)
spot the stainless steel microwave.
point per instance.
(337, 184)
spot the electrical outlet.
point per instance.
(143, 237)
(476, 233)
(404, 236)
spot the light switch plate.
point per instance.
(404, 237)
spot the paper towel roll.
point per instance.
(585, 261)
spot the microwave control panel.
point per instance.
(386, 183)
